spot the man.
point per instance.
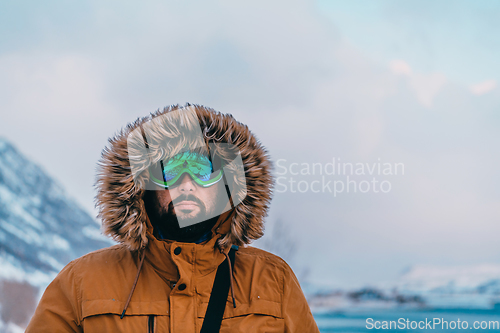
(183, 192)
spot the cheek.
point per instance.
(163, 197)
(215, 193)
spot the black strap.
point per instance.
(218, 297)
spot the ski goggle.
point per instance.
(197, 165)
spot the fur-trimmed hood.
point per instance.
(120, 192)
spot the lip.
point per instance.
(186, 205)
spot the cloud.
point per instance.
(400, 67)
(425, 86)
(483, 87)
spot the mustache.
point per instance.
(186, 197)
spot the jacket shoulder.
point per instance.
(98, 267)
(265, 262)
(103, 274)
(95, 260)
(106, 256)
(254, 253)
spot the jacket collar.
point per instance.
(163, 257)
(205, 257)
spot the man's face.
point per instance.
(189, 203)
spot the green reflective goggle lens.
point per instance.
(198, 166)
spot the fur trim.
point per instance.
(119, 195)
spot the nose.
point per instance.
(187, 184)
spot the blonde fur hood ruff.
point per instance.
(120, 199)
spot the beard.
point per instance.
(166, 220)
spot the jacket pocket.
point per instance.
(104, 316)
(257, 316)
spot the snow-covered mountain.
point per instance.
(423, 286)
(41, 230)
(473, 286)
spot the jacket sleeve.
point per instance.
(296, 311)
(58, 310)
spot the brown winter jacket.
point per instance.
(170, 289)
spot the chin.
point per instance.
(189, 220)
(188, 216)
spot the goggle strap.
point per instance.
(227, 191)
(163, 174)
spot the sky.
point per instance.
(369, 86)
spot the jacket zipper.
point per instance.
(151, 324)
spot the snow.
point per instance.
(449, 279)
(15, 205)
(13, 328)
(435, 287)
(94, 233)
(51, 261)
(10, 269)
(10, 327)
(471, 287)
(27, 235)
(58, 243)
(5, 194)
